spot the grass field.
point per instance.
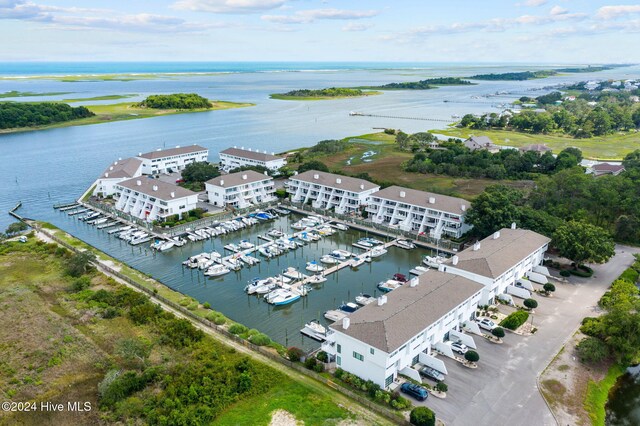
(387, 165)
(100, 98)
(598, 394)
(16, 94)
(319, 98)
(611, 147)
(127, 111)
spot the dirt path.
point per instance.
(367, 416)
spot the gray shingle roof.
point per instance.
(172, 151)
(536, 147)
(156, 188)
(421, 198)
(238, 178)
(347, 183)
(497, 256)
(479, 142)
(408, 310)
(126, 168)
(253, 155)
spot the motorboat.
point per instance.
(349, 307)
(315, 330)
(232, 263)
(316, 279)
(249, 260)
(282, 211)
(341, 226)
(216, 271)
(100, 220)
(166, 245)
(215, 256)
(388, 285)
(343, 253)
(142, 238)
(364, 242)
(433, 261)
(400, 277)
(266, 252)
(178, 242)
(275, 233)
(282, 297)
(282, 279)
(377, 252)
(364, 299)
(356, 261)
(314, 266)
(335, 315)
(405, 244)
(246, 245)
(337, 256)
(293, 273)
(205, 263)
(232, 247)
(327, 258)
(419, 270)
(266, 287)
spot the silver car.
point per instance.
(432, 373)
(487, 324)
(459, 347)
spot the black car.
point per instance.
(418, 392)
(432, 373)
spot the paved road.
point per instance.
(503, 390)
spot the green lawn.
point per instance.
(610, 147)
(598, 394)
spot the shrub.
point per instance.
(530, 303)
(565, 273)
(220, 319)
(206, 305)
(591, 326)
(323, 356)
(442, 387)
(80, 283)
(515, 320)
(211, 316)
(498, 332)
(295, 354)
(472, 356)
(399, 402)
(260, 339)
(592, 350)
(238, 329)
(310, 363)
(630, 275)
(582, 271)
(193, 306)
(422, 416)
(549, 288)
(318, 368)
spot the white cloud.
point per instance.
(557, 10)
(356, 26)
(306, 16)
(614, 12)
(229, 6)
(535, 3)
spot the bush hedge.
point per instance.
(422, 416)
(515, 320)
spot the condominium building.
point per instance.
(172, 159)
(327, 190)
(117, 172)
(499, 261)
(381, 340)
(239, 190)
(232, 158)
(150, 199)
(419, 212)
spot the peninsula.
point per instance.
(322, 94)
(431, 83)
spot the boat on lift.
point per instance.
(315, 330)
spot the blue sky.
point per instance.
(545, 31)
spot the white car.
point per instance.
(487, 324)
(459, 347)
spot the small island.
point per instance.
(431, 83)
(322, 94)
(23, 116)
(515, 76)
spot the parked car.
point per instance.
(487, 324)
(432, 373)
(459, 347)
(418, 392)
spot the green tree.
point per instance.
(494, 209)
(199, 172)
(16, 228)
(402, 139)
(582, 242)
(568, 158)
(441, 387)
(472, 356)
(422, 416)
(80, 263)
(498, 332)
(530, 303)
(313, 165)
(133, 349)
(592, 350)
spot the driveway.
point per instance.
(503, 389)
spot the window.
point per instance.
(357, 356)
(338, 360)
(339, 348)
(371, 351)
(388, 381)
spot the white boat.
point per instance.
(293, 273)
(249, 260)
(388, 285)
(356, 261)
(341, 226)
(179, 242)
(433, 261)
(314, 266)
(329, 259)
(281, 297)
(204, 263)
(349, 307)
(316, 279)
(232, 247)
(266, 252)
(335, 315)
(364, 299)
(315, 330)
(245, 245)
(266, 287)
(419, 270)
(275, 233)
(232, 263)
(216, 271)
(405, 244)
(99, 221)
(282, 279)
(166, 245)
(342, 253)
(377, 252)
(364, 242)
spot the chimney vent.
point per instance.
(221, 182)
(463, 207)
(139, 154)
(316, 176)
(173, 194)
(513, 225)
(106, 175)
(496, 235)
(346, 322)
(139, 182)
(244, 177)
(454, 260)
(362, 186)
(476, 246)
(432, 200)
(413, 282)
(338, 180)
(111, 168)
(155, 187)
(403, 194)
(382, 300)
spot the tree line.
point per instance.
(28, 114)
(514, 76)
(330, 92)
(176, 101)
(423, 84)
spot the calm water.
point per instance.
(623, 407)
(45, 167)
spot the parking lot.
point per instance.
(503, 389)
